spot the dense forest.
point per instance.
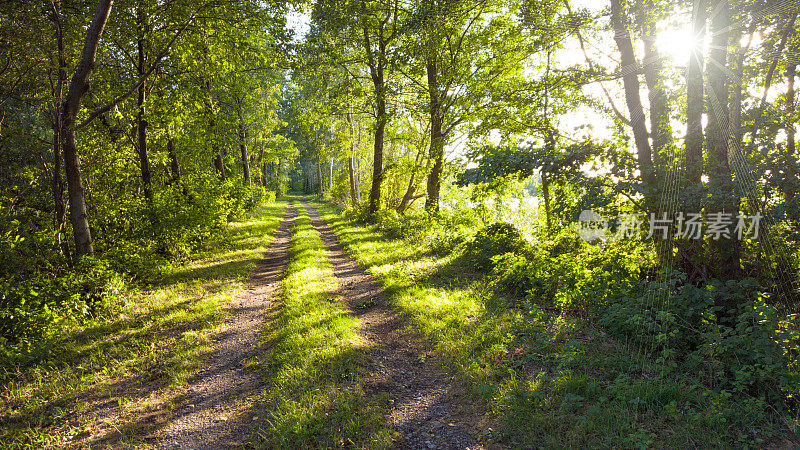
(399, 224)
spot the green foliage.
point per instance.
(564, 272)
(40, 293)
(437, 234)
(496, 239)
(497, 162)
(750, 351)
(36, 307)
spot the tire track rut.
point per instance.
(423, 406)
(218, 411)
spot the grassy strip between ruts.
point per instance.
(550, 380)
(111, 381)
(314, 397)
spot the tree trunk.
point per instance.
(359, 195)
(546, 198)
(60, 210)
(436, 152)
(219, 165)
(663, 150)
(377, 60)
(778, 51)
(377, 154)
(351, 166)
(630, 79)
(141, 122)
(693, 142)
(791, 152)
(320, 180)
(219, 162)
(409, 196)
(259, 163)
(664, 164)
(725, 251)
(694, 102)
(306, 180)
(175, 168)
(310, 175)
(78, 87)
(245, 156)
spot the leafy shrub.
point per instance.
(438, 234)
(390, 222)
(496, 239)
(750, 350)
(445, 232)
(513, 273)
(562, 271)
(35, 308)
(39, 293)
(269, 197)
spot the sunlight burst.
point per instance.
(676, 44)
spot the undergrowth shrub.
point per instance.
(496, 239)
(751, 350)
(438, 234)
(564, 272)
(36, 307)
(268, 197)
(135, 240)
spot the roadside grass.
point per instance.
(112, 380)
(315, 397)
(552, 380)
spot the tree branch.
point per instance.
(98, 112)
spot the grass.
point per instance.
(112, 380)
(315, 397)
(552, 380)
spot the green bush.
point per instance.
(564, 272)
(390, 222)
(514, 273)
(751, 350)
(496, 239)
(40, 293)
(269, 197)
(34, 308)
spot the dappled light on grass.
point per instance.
(316, 361)
(110, 381)
(550, 378)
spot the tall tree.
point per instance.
(142, 26)
(694, 97)
(78, 87)
(630, 77)
(57, 94)
(379, 25)
(370, 29)
(467, 50)
(722, 198)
